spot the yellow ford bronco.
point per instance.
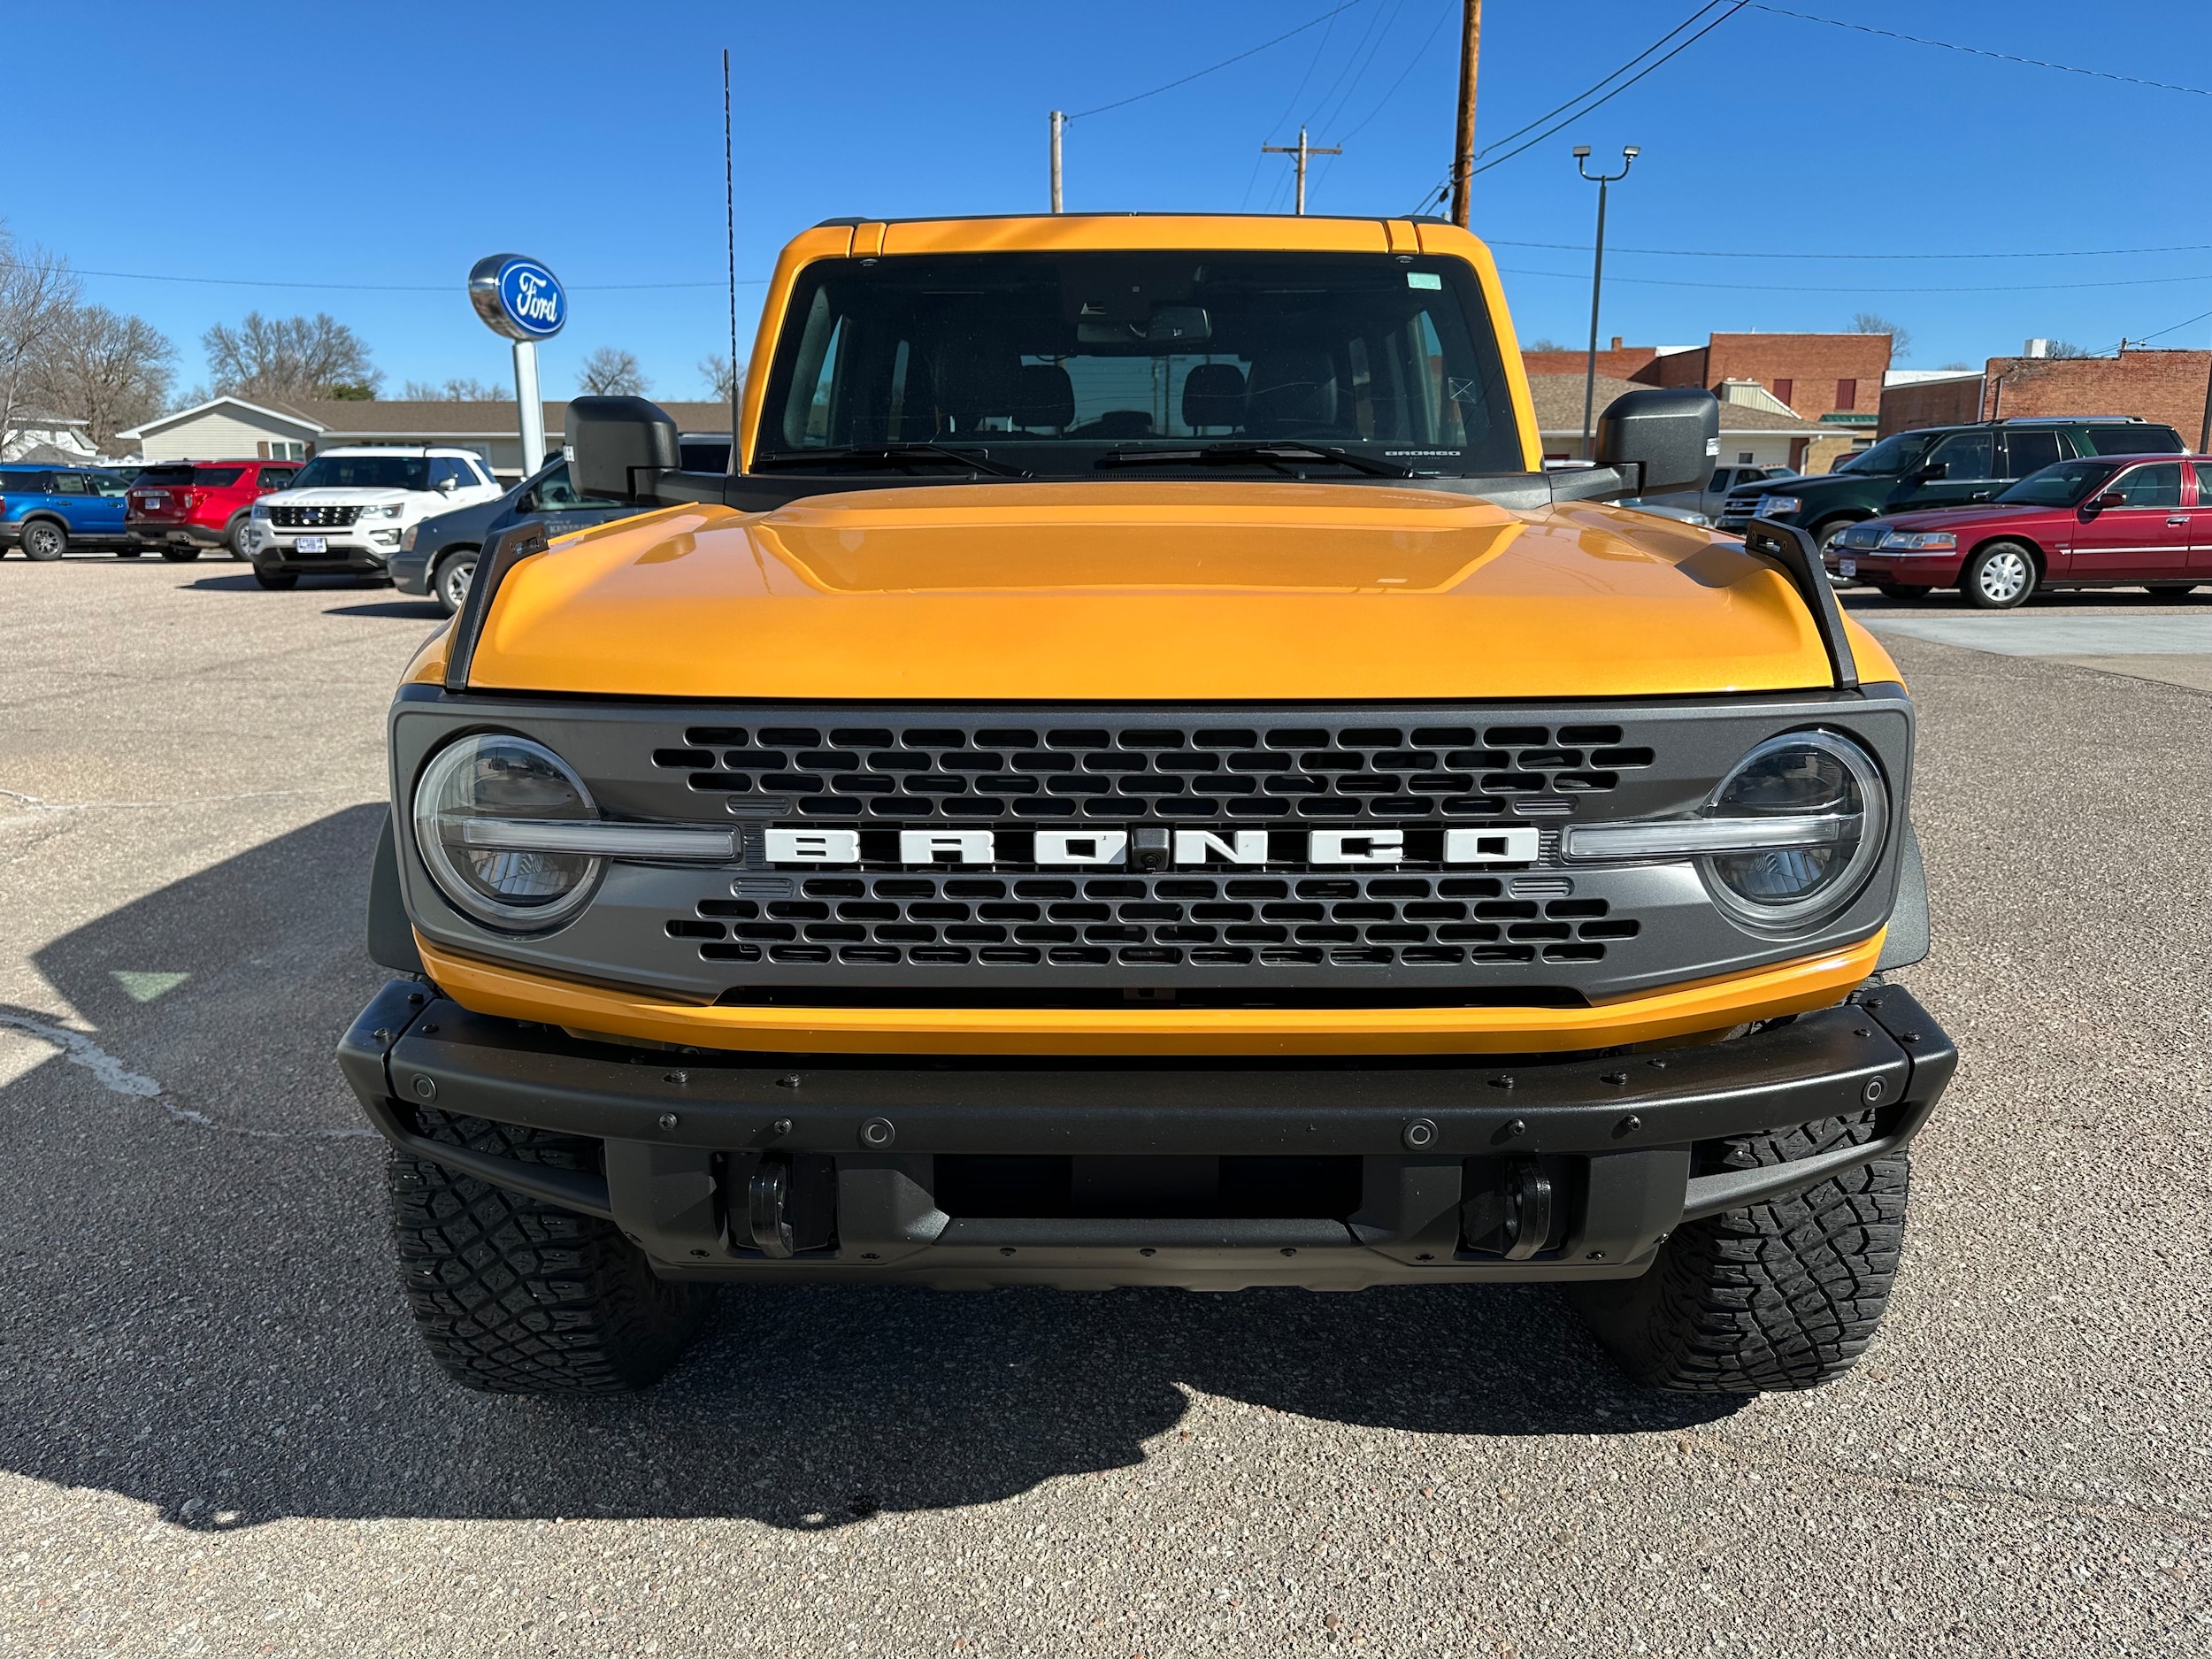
(1138, 775)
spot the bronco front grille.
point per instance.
(926, 918)
(1326, 771)
(313, 518)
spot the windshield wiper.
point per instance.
(899, 456)
(1283, 456)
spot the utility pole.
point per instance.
(1628, 153)
(1059, 125)
(1301, 149)
(1463, 157)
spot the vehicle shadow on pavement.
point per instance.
(413, 610)
(199, 1308)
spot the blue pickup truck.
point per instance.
(48, 510)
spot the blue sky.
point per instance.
(393, 144)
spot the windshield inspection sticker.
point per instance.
(1424, 280)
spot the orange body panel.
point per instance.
(1149, 591)
(1791, 988)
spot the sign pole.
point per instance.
(530, 405)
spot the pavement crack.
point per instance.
(2129, 1514)
(118, 1079)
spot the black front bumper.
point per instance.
(1625, 1141)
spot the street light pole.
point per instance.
(1059, 125)
(1628, 153)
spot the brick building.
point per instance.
(1817, 375)
(2173, 386)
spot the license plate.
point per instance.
(153, 501)
(1846, 567)
(312, 544)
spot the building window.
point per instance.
(1847, 393)
(1783, 389)
(278, 449)
(1743, 457)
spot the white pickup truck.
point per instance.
(347, 509)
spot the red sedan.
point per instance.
(2114, 521)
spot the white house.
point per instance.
(35, 436)
(231, 428)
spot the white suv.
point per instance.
(347, 509)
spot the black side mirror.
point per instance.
(1671, 434)
(1933, 470)
(619, 446)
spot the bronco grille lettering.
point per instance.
(1502, 844)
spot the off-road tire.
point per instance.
(1985, 581)
(515, 1296)
(277, 580)
(2169, 591)
(1903, 590)
(181, 555)
(44, 541)
(1780, 1295)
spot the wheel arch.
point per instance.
(2035, 551)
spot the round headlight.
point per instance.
(501, 778)
(1807, 775)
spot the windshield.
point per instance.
(1047, 362)
(2063, 485)
(363, 472)
(1898, 454)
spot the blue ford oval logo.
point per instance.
(518, 297)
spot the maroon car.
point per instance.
(2113, 521)
(182, 507)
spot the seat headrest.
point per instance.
(1213, 395)
(1043, 396)
(1289, 392)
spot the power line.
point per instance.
(1728, 253)
(1439, 192)
(1980, 51)
(1800, 288)
(1251, 51)
(2142, 339)
(1419, 53)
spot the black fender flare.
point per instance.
(391, 935)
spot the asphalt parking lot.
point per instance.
(218, 1434)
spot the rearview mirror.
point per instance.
(619, 446)
(1671, 434)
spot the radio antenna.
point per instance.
(729, 225)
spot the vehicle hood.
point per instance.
(1957, 518)
(1140, 591)
(334, 497)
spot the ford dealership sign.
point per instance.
(518, 297)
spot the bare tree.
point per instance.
(1546, 343)
(608, 372)
(1871, 323)
(37, 291)
(111, 371)
(2068, 349)
(460, 389)
(290, 357)
(714, 369)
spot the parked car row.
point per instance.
(176, 509)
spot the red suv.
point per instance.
(184, 506)
(2114, 521)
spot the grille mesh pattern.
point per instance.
(927, 920)
(327, 517)
(1221, 771)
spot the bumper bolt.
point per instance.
(1629, 1124)
(1006, 1250)
(1597, 1255)
(1908, 1036)
(1501, 1082)
(1289, 1250)
(1861, 1031)
(669, 1120)
(878, 1133)
(427, 1030)
(425, 1089)
(787, 1082)
(1618, 1079)
(1147, 1250)
(782, 1126)
(382, 1034)
(1518, 1126)
(1419, 1133)
(416, 998)
(677, 1077)
(1875, 1089)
